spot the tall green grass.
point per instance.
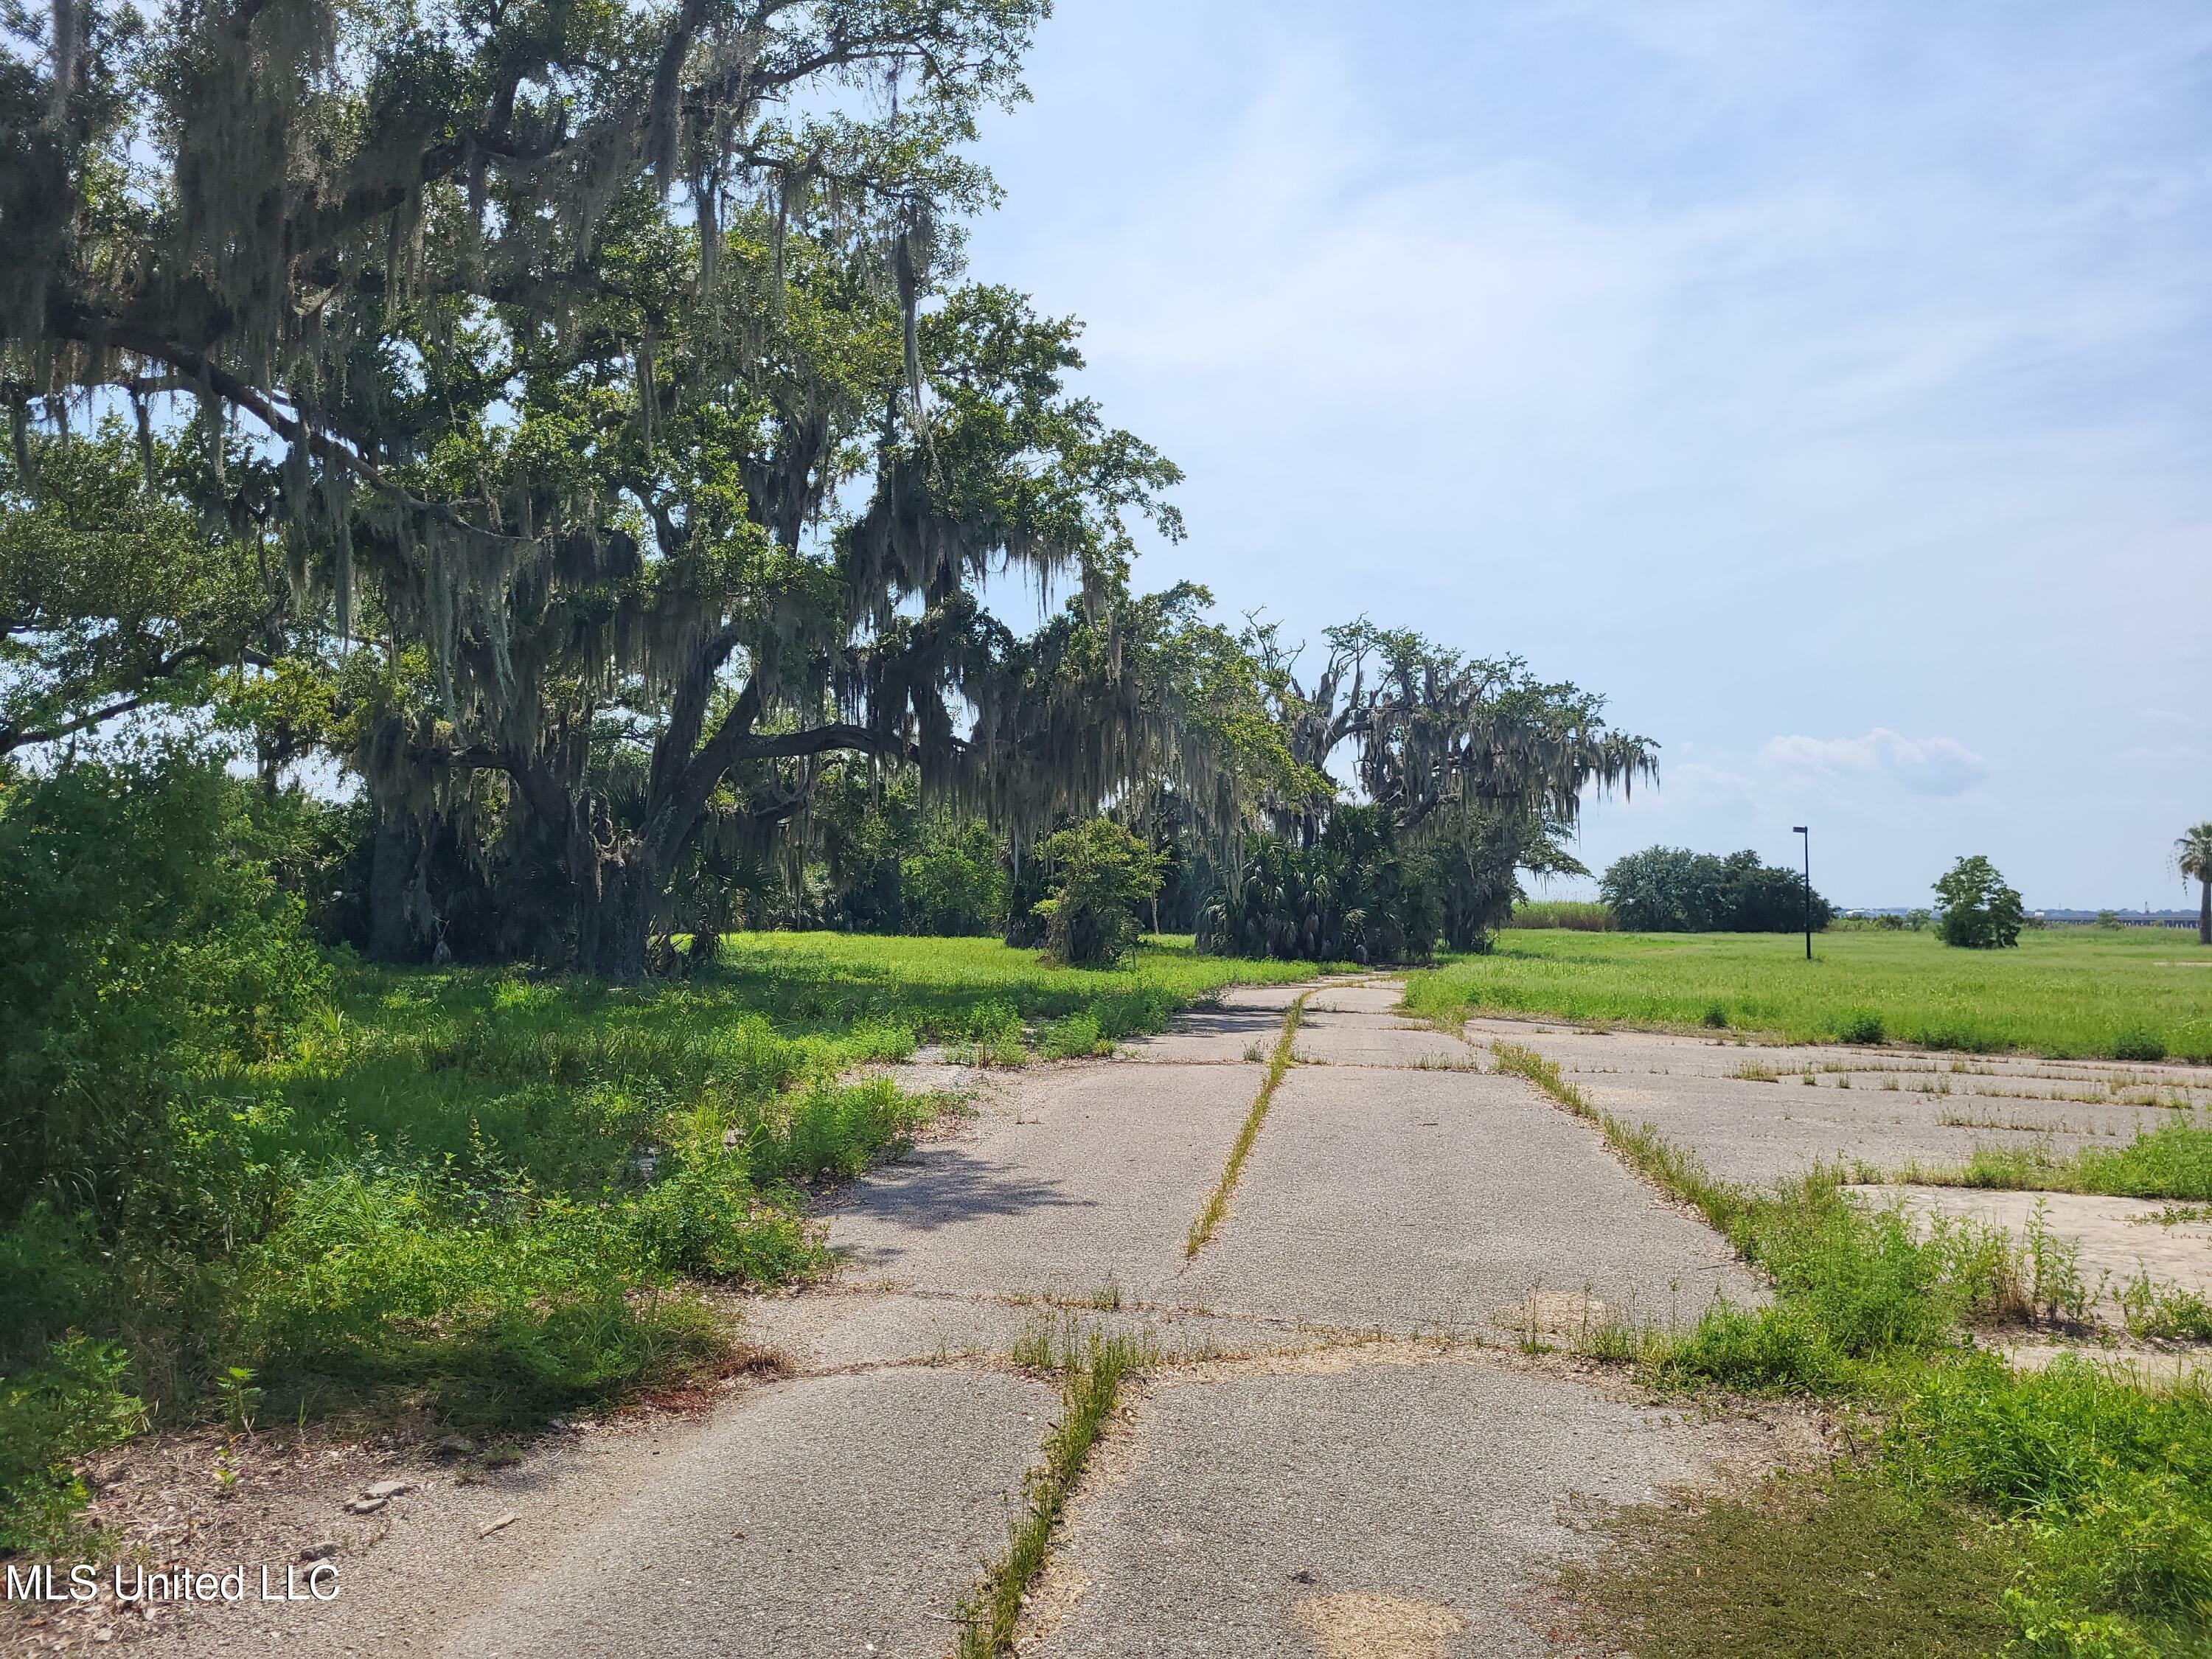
(2137, 995)
(480, 1194)
(2174, 1160)
(1584, 916)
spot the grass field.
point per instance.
(950, 988)
(481, 1195)
(2137, 994)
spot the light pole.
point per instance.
(1802, 829)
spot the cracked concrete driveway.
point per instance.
(1343, 1447)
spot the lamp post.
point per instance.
(1804, 830)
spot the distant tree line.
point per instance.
(1671, 889)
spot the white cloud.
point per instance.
(1694, 784)
(1922, 766)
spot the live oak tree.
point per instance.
(1136, 699)
(115, 594)
(1475, 766)
(1671, 889)
(632, 440)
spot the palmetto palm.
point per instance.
(2193, 853)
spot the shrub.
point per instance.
(706, 1220)
(2171, 1161)
(1352, 896)
(50, 1416)
(1758, 1351)
(1860, 1027)
(139, 944)
(955, 883)
(2138, 1045)
(1100, 874)
(1868, 1284)
(833, 1129)
(1071, 1038)
(2112, 1482)
(1974, 908)
(1122, 1014)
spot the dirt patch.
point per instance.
(1360, 1624)
(1573, 1315)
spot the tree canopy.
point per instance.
(600, 400)
(579, 424)
(2192, 856)
(1671, 889)
(1476, 768)
(1975, 908)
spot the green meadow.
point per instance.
(2137, 994)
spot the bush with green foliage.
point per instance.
(1352, 895)
(141, 943)
(1974, 908)
(71, 1402)
(1671, 889)
(1099, 875)
(955, 883)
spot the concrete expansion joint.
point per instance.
(1209, 1219)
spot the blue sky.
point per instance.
(1830, 385)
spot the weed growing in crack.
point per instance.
(1092, 1365)
(2156, 1314)
(1217, 1203)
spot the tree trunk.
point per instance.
(615, 906)
(2204, 910)
(390, 858)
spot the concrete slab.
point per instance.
(1403, 1200)
(1363, 997)
(832, 1517)
(1229, 1037)
(1257, 1515)
(1332, 1038)
(1747, 1111)
(1073, 1179)
(1265, 998)
(2125, 1083)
